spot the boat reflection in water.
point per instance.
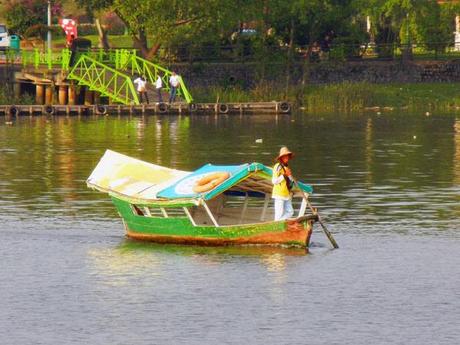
(130, 258)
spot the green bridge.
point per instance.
(109, 72)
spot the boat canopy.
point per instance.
(133, 179)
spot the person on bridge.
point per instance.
(158, 87)
(174, 82)
(282, 184)
(142, 88)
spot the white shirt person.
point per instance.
(158, 87)
(174, 82)
(141, 88)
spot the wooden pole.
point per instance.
(89, 96)
(62, 94)
(315, 212)
(39, 94)
(72, 94)
(49, 94)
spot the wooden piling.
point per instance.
(89, 96)
(39, 94)
(62, 94)
(72, 94)
(48, 94)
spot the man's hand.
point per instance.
(287, 172)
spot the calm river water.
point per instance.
(388, 187)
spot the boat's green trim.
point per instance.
(182, 226)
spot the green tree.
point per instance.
(302, 23)
(165, 21)
(153, 23)
(21, 14)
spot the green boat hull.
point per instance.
(181, 230)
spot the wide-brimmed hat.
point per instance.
(284, 151)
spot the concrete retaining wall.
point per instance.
(245, 75)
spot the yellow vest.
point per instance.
(280, 189)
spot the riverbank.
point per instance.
(346, 96)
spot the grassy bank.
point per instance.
(7, 97)
(346, 96)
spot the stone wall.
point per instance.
(245, 75)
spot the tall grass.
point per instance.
(6, 97)
(262, 92)
(346, 96)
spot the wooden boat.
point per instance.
(214, 205)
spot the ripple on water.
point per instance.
(69, 276)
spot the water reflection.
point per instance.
(118, 265)
(366, 170)
(456, 158)
(273, 253)
(133, 258)
(387, 186)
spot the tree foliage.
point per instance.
(294, 23)
(20, 15)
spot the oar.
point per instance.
(315, 211)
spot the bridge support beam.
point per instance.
(89, 96)
(62, 94)
(39, 93)
(72, 94)
(49, 94)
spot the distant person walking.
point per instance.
(158, 87)
(174, 82)
(142, 88)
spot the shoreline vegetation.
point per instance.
(346, 96)
(342, 97)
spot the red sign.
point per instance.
(70, 28)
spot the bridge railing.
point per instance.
(104, 79)
(134, 64)
(125, 60)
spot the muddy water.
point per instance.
(388, 188)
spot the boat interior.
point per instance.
(248, 202)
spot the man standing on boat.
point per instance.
(282, 184)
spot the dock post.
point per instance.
(17, 89)
(89, 96)
(49, 94)
(39, 93)
(72, 94)
(62, 94)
